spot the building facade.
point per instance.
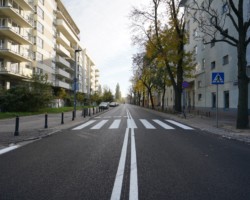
(213, 57)
(40, 37)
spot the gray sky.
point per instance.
(105, 33)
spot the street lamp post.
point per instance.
(75, 82)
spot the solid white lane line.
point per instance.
(5, 150)
(115, 124)
(163, 125)
(84, 125)
(133, 189)
(147, 124)
(100, 124)
(116, 192)
(180, 125)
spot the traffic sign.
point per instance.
(217, 78)
(185, 84)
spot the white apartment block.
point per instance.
(214, 57)
(40, 36)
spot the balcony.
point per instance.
(16, 72)
(26, 5)
(63, 74)
(21, 18)
(63, 40)
(15, 52)
(63, 84)
(16, 34)
(62, 62)
(62, 50)
(66, 30)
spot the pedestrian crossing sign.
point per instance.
(217, 78)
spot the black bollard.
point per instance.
(93, 110)
(84, 112)
(17, 127)
(62, 118)
(73, 115)
(46, 121)
(89, 112)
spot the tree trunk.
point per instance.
(243, 80)
(163, 98)
(151, 98)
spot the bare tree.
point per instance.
(213, 21)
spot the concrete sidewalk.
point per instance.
(32, 127)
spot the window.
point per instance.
(199, 97)
(40, 12)
(213, 65)
(203, 63)
(39, 42)
(39, 27)
(226, 99)
(42, 1)
(39, 57)
(212, 43)
(195, 50)
(224, 8)
(199, 84)
(213, 100)
(225, 60)
(195, 33)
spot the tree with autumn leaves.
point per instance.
(164, 60)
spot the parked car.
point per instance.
(113, 104)
(104, 105)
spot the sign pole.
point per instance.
(217, 104)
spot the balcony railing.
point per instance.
(63, 73)
(63, 84)
(17, 33)
(16, 70)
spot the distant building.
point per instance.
(40, 37)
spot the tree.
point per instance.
(166, 39)
(30, 96)
(107, 95)
(118, 95)
(213, 22)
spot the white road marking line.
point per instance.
(133, 189)
(116, 192)
(115, 124)
(131, 123)
(163, 124)
(11, 148)
(84, 125)
(100, 124)
(147, 124)
(180, 125)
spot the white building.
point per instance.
(40, 37)
(214, 57)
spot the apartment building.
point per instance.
(214, 57)
(40, 37)
(16, 41)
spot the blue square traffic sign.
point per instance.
(217, 78)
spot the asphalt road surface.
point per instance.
(127, 153)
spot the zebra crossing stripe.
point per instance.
(180, 125)
(115, 124)
(100, 124)
(147, 124)
(84, 125)
(163, 125)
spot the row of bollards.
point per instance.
(85, 112)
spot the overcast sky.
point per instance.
(105, 33)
